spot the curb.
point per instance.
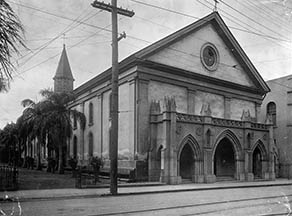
(23, 199)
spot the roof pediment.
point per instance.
(182, 50)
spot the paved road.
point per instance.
(260, 201)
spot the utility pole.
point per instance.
(115, 88)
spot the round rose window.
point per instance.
(209, 57)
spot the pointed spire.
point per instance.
(64, 69)
(63, 79)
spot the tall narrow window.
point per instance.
(90, 113)
(90, 144)
(272, 111)
(75, 147)
(208, 137)
(110, 106)
(248, 140)
(74, 122)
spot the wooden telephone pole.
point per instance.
(115, 88)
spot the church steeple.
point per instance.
(63, 79)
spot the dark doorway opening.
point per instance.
(257, 163)
(186, 162)
(224, 160)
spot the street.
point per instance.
(245, 201)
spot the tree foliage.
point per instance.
(50, 120)
(11, 32)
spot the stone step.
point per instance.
(224, 178)
(186, 181)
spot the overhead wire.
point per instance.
(271, 13)
(64, 31)
(190, 16)
(132, 38)
(128, 37)
(247, 6)
(260, 24)
(269, 38)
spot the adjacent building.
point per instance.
(278, 107)
(189, 110)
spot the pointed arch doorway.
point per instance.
(186, 162)
(224, 159)
(257, 163)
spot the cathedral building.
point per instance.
(189, 110)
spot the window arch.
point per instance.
(272, 111)
(90, 113)
(90, 144)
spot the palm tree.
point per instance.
(11, 32)
(52, 119)
(58, 120)
(32, 126)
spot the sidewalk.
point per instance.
(132, 189)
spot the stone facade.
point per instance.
(179, 118)
(277, 106)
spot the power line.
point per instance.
(190, 16)
(67, 29)
(260, 14)
(252, 19)
(272, 15)
(235, 18)
(128, 37)
(52, 57)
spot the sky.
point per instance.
(262, 28)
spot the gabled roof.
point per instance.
(64, 69)
(215, 19)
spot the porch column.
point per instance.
(170, 175)
(209, 176)
(249, 176)
(154, 165)
(271, 167)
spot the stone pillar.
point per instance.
(170, 174)
(131, 117)
(191, 101)
(240, 175)
(249, 176)
(142, 117)
(271, 167)
(198, 170)
(227, 107)
(209, 176)
(99, 128)
(154, 170)
(81, 146)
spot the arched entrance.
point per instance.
(186, 162)
(257, 163)
(224, 159)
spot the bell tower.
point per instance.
(63, 79)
